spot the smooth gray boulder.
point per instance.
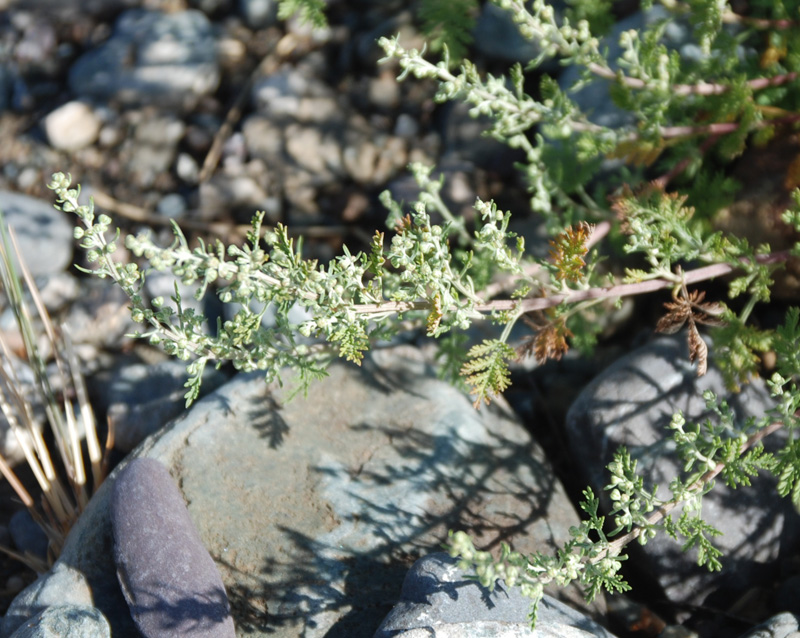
(43, 233)
(313, 509)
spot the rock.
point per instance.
(43, 233)
(295, 94)
(28, 537)
(153, 147)
(497, 37)
(57, 290)
(259, 14)
(151, 58)
(101, 316)
(264, 138)
(384, 91)
(62, 585)
(631, 404)
(240, 195)
(464, 139)
(72, 126)
(784, 625)
(438, 600)
(374, 158)
(143, 398)
(314, 508)
(65, 621)
(594, 98)
(317, 151)
(85, 7)
(171, 584)
(171, 206)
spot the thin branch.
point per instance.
(682, 90)
(541, 303)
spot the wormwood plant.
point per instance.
(434, 273)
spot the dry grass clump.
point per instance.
(54, 450)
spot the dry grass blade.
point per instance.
(62, 500)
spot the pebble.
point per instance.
(65, 621)
(439, 600)
(172, 206)
(240, 195)
(171, 583)
(295, 94)
(259, 14)
(72, 126)
(264, 138)
(318, 152)
(168, 59)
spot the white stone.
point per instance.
(72, 126)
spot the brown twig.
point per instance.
(541, 303)
(701, 88)
(666, 178)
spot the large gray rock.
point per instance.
(62, 585)
(43, 233)
(144, 397)
(314, 509)
(152, 57)
(65, 621)
(438, 601)
(631, 404)
(784, 625)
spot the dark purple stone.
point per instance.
(171, 583)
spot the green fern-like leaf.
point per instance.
(449, 23)
(787, 338)
(788, 471)
(697, 531)
(310, 11)
(352, 341)
(487, 369)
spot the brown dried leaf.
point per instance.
(708, 311)
(403, 224)
(549, 342)
(698, 350)
(568, 249)
(677, 314)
